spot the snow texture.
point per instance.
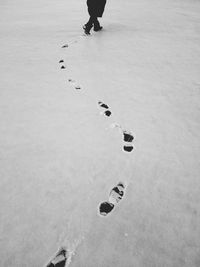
(59, 158)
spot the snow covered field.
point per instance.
(59, 158)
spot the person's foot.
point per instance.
(97, 28)
(87, 29)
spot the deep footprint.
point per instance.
(60, 259)
(62, 61)
(103, 105)
(128, 137)
(107, 113)
(117, 193)
(105, 208)
(128, 148)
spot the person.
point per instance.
(95, 10)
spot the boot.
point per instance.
(97, 26)
(87, 29)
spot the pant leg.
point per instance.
(91, 21)
(96, 23)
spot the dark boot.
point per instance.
(87, 28)
(97, 26)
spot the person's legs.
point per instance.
(97, 26)
(88, 26)
(90, 21)
(93, 21)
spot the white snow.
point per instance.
(59, 158)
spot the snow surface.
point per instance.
(59, 158)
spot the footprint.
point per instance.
(105, 208)
(63, 66)
(128, 148)
(67, 45)
(127, 137)
(116, 194)
(64, 46)
(74, 84)
(106, 112)
(60, 258)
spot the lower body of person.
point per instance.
(95, 10)
(92, 22)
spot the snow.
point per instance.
(59, 158)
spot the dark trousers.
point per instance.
(93, 21)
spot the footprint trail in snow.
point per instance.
(64, 255)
